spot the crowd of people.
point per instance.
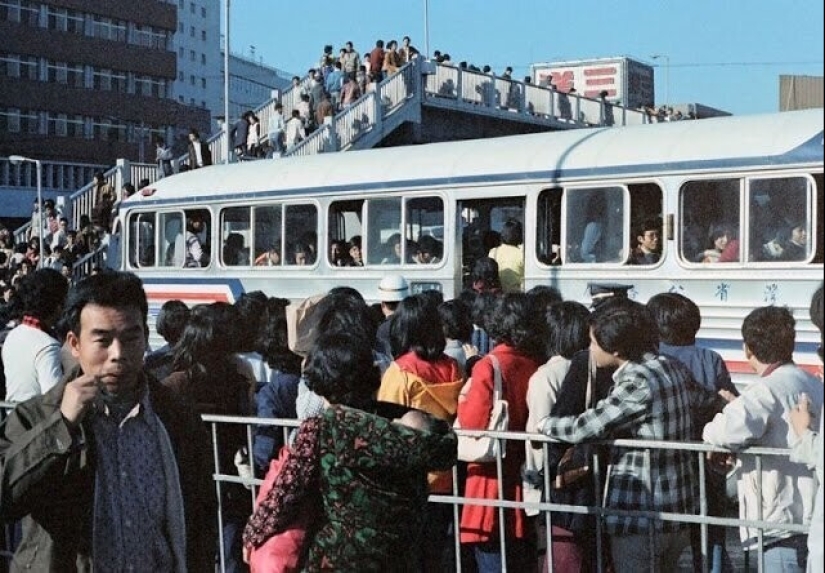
(106, 456)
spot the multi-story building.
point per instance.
(251, 83)
(91, 81)
(197, 45)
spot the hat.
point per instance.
(393, 288)
(600, 292)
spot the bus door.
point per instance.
(481, 222)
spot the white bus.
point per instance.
(757, 178)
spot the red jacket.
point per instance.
(480, 523)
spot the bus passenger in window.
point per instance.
(428, 251)
(234, 252)
(338, 255)
(510, 256)
(393, 249)
(719, 238)
(270, 258)
(647, 250)
(195, 256)
(355, 251)
(796, 248)
(302, 255)
(592, 246)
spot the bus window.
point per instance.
(595, 225)
(384, 244)
(198, 238)
(301, 221)
(820, 221)
(646, 241)
(172, 242)
(235, 227)
(142, 240)
(548, 227)
(709, 228)
(779, 219)
(266, 243)
(344, 227)
(481, 222)
(424, 227)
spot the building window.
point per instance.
(203, 59)
(192, 7)
(64, 20)
(192, 55)
(108, 29)
(180, 27)
(181, 52)
(203, 12)
(192, 80)
(203, 35)
(180, 76)
(191, 31)
(203, 83)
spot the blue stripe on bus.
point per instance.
(810, 151)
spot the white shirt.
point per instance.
(31, 360)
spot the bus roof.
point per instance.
(728, 142)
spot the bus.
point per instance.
(270, 225)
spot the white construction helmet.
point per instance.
(393, 288)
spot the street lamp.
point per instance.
(666, 58)
(17, 160)
(227, 143)
(426, 29)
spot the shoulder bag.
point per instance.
(485, 448)
(574, 465)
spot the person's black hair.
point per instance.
(485, 271)
(542, 296)
(251, 308)
(514, 322)
(677, 318)
(346, 291)
(109, 289)
(379, 43)
(433, 296)
(719, 231)
(428, 244)
(41, 294)
(273, 342)
(648, 225)
(512, 233)
(455, 319)
(624, 327)
(171, 320)
(415, 327)
(340, 368)
(482, 308)
(348, 314)
(569, 328)
(770, 334)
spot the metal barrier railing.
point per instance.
(546, 509)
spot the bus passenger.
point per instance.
(234, 252)
(393, 250)
(355, 251)
(338, 255)
(719, 238)
(195, 254)
(270, 258)
(647, 251)
(510, 256)
(796, 247)
(302, 254)
(428, 251)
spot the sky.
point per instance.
(726, 54)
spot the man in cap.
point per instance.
(602, 292)
(391, 291)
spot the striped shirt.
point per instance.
(649, 400)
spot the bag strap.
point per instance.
(497, 386)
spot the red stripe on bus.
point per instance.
(171, 295)
(742, 367)
(600, 71)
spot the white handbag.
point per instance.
(486, 448)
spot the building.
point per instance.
(198, 41)
(88, 81)
(251, 83)
(622, 79)
(801, 92)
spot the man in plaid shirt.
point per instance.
(651, 398)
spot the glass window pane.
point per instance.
(384, 245)
(267, 243)
(344, 240)
(172, 242)
(301, 222)
(779, 220)
(595, 225)
(236, 224)
(710, 221)
(142, 240)
(197, 238)
(548, 230)
(424, 229)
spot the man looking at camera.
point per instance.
(107, 470)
